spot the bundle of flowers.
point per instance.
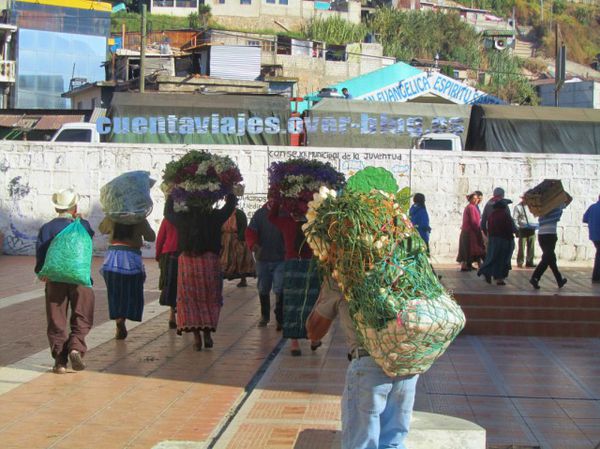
(403, 316)
(292, 183)
(199, 179)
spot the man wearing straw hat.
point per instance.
(61, 296)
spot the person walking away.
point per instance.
(501, 244)
(420, 218)
(376, 409)
(526, 233)
(301, 283)
(236, 258)
(498, 194)
(167, 254)
(199, 277)
(470, 247)
(266, 242)
(592, 219)
(547, 238)
(123, 271)
(65, 344)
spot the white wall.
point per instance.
(32, 171)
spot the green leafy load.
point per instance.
(403, 316)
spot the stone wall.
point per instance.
(32, 171)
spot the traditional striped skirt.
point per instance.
(167, 282)
(199, 292)
(301, 286)
(123, 272)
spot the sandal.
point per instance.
(315, 346)
(208, 341)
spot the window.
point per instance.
(271, 2)
(436, 144)
(245, 2)
(222, 2)
(252, 43)
(283, 2)
(75, 135)
(93, 103)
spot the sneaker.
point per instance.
(520, 265)
(535, 283)
(296, 352)
(76, 361)
(263, 322)
(530, 265)
(59, 369)
(242, 283)
(562, 282)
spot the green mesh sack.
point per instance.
(126, 199)
(365, 241)
(69, 257)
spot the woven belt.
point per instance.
(357, 354)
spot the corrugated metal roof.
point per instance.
(38, 122)
(235, 62)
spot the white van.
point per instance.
(440, 141)
(77, 132)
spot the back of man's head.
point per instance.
(499, 192)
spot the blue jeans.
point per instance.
(270, 276)
(376, 409)
(596, 272)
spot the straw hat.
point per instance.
(65, 199)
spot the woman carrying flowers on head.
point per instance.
(292, 185)
(195, 183)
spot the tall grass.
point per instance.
(335, 30)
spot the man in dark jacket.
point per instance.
(266, 241)
(61, 296)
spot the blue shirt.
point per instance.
(270, 239)
(548, 223)
(420, 218)
(48, 232)
(592, 218)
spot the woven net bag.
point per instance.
(403, 316)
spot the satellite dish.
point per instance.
(500, 44)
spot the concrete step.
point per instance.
(531, 315)
(433, 431)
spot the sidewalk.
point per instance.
(153, 389)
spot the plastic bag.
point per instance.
(69, 257)
(126, 199)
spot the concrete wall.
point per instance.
(32, 171)
(315, 73)
(261, 15)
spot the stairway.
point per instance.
(523, 49)
(544, 315)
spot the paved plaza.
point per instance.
(153, 390)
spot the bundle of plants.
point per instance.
(366, 243)
(200, 179)
(292, 183)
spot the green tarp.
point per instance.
(374, 124)
(198, 119)
(529, 129)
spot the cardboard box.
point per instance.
(547, 195)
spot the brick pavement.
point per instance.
(153, 387)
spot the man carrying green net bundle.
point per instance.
(376, 408)
(397, 317)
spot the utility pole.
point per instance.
(143, 50)
(560, 66)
